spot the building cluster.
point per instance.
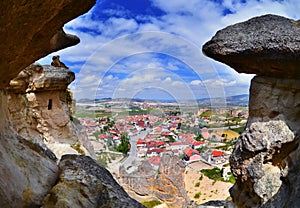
(163, 134)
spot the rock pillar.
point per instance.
(266, 158)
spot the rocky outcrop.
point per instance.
(44, 106)
(266, 45)
(27, 170)
(167, 185)
(37, 78)
(85, 183)
(31, 30)
(265, 159)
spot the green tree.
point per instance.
(124, 146)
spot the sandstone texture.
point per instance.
(37, 78)
(266, 158)
(27, 171)
(266, 45)
(30, 30)
(33, 29)
(44, 104)
(85, 183)
(165, 183)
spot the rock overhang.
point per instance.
(267, 45)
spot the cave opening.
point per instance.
(50, 104)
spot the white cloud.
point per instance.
(196, 82)
(179, 33)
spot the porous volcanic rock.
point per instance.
(30, 30)
(167, 185)
(267, 45)
(27, 170)
(265, 160)
(85, 183)
(36, 78)
(45, 106)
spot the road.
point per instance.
(132, 154)
(224, 128)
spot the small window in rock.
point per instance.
(50, 104)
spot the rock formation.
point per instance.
(265, 159)
(84, 183)
(30, 30)
(167, 185)
(44, 106)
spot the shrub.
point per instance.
(150, 204)
(77, 147)
(197, 195)
(216, 175)
(197, 184)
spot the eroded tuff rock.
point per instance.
(266, 158)
(266, 45)
(44, 104)
(37, 78)
(167, 184)
(85, 183)
(27, 171)
(30, 30)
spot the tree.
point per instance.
(124, 146)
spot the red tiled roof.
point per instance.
(102, 136)
(217, 153)
(189, 152)
(196, 143)
(141, 141)
(155, 150)
(160, 143)
(179, 143)
(154, 160)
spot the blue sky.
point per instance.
(152, 48)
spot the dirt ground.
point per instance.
(208, 189)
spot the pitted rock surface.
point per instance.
(267, 45)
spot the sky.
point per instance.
(152, 49)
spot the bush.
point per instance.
(216, 175)
(150, 204)
(197, 184)
(77, 147)
(197, 195)
(124, 146)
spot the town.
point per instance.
(138, 131)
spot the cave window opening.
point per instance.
(50, 104)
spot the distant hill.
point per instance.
(237, 100)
